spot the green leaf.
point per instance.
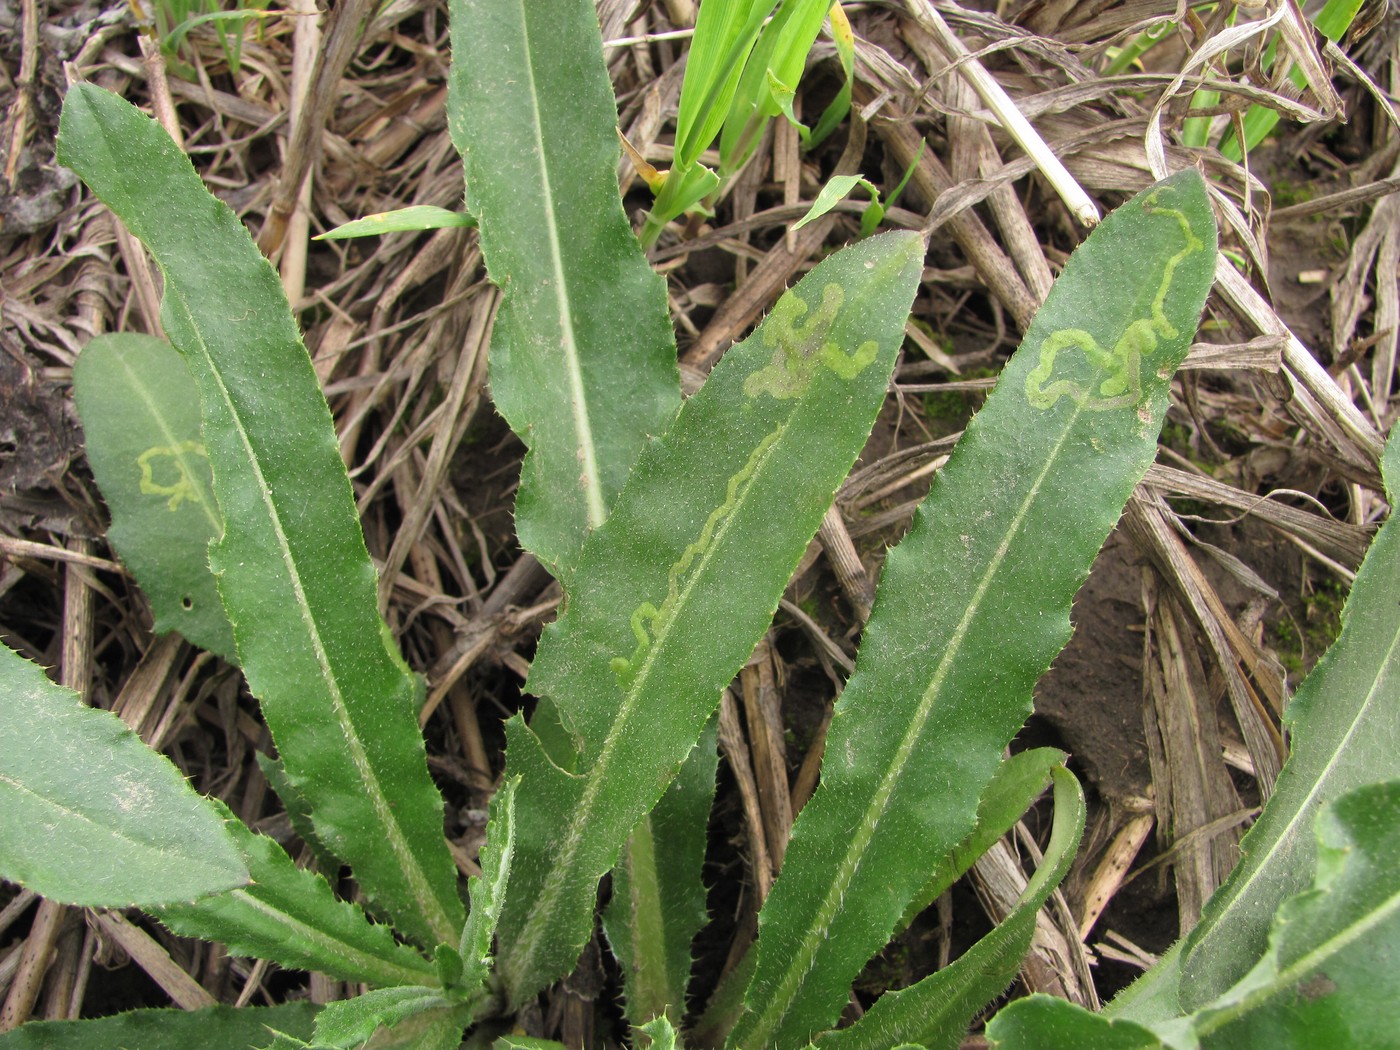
(1016, 784)
(726, 1005)
(439, 1028)
(583, 359)
(794, 38)
(836, 110)
(681, 190)
(1044, 1022)
(447, 962)
(1332, 20)
(974, 603)
(837, 189)
(90, 815)
(417, 217)
(140, 412)
(217, 1028)
(658, 897)
(292, 568)
(725, 34)
(351, 1022)
(297, 809)
(634, 663)
(1327, 979)
(487, 890)
(1342, 733)
(291, 916)
(769, 81)
(936, 1011)
(662, 1034)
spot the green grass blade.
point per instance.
(725, 33)
(400, 220)
(1343, 734)
(711, 524)
(583, 360)
(836, 110)
(837, 189)
(292, 568)
(1332, 21)
(140, 412)
(974, 603)
(779, 54)
(658, 897)
(79, 790)
(291, 916)
(936, 1012)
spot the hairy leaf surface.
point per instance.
(658, 897)
(140, 412)
(353, 1022)
(936, 1011)
(1017, 783)
(1343, 733)
(487, 891)
(583, 360)
(292, 568)
(1327, 979)
(1045, 1022)
(291, 916)
(974, 603)
(217, 1028)
(89, 814)
(674, 590)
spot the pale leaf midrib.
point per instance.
(539, 922)
(588, 453)
(648, 924)
(798, 969)
(1292, 976)
(1304, 810)
(388, 971)
(113, 831)
(430, 908)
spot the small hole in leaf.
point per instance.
(187, 602)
